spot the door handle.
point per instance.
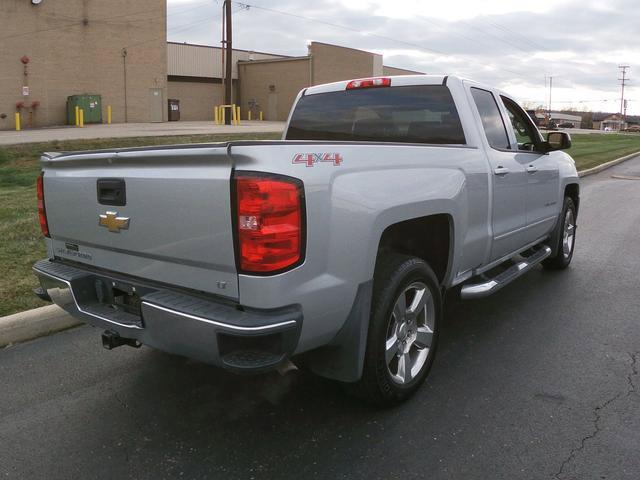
(500, 170)
(532, 169)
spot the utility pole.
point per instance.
(550, 88)
(623, 82)
(229, 59)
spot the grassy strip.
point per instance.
(591, 150)
(21, 243)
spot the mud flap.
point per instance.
(343, 358)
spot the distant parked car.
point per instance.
(632, 128)
(566, 125)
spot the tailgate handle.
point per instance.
(112, 191)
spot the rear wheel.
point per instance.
(403, 330)
(566, 238)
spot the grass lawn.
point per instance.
(21, 243)
(591, 150)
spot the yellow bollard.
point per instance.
(249, 115)
(81, 118)
(18, 127)
(261, 116)
(238, 115)
(215, 115)
(223, 115)
(77, 116)
(108, 114)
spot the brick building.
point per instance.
(53, 49)
(78, 47)
(273, 84)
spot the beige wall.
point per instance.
(278, 82)
(332, 63)
(75, 47)
(197, 98)
(398, 71)
(275, 84)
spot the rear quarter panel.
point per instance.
(348, 208)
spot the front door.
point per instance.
(509, 178)
(543, 178)
(157, 105)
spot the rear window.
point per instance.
(410, 114)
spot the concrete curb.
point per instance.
(604, 166)
(39, 322)
(35, 323)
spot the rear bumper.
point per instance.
(193, 325)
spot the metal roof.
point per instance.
(188, 60)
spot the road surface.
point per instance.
(539, 381)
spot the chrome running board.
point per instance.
(492, 285)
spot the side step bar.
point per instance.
(492, 285)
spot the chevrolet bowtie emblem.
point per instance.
(113, 222)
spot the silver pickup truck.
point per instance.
(331, 248)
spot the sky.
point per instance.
(515, 46)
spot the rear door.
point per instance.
(509, 177)
(159, 214)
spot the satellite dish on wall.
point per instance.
(36, 2)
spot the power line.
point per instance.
(343, 27)
(486, 40)
(523, 38)
(172, 14)
(500, 39)
(371, 34)
(173, 31)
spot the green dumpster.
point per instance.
(91, 104)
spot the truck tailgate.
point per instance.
(178, 209)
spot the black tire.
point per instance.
(395, 273)
(562, 259)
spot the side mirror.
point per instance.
(558, 141)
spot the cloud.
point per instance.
(512, 45)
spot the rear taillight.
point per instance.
(42, 213)
(269, 222)
(369, 83)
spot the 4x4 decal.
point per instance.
(310, 159)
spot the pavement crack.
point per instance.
(597, 414)
(634, 372)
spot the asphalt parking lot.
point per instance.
(539, 381)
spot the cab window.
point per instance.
(492, 122)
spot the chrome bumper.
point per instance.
(199, 327)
